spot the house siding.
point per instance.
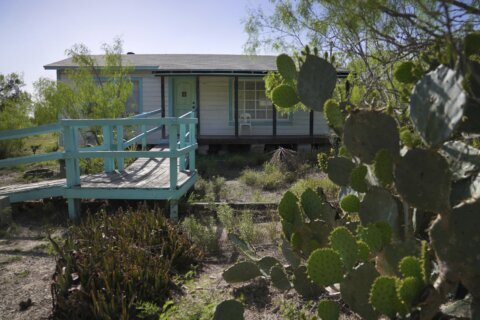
(214, 106)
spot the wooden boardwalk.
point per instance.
(144, 173)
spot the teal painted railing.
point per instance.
(113, 150)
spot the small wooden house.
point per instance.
(227, 92)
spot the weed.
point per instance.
(202, 233)
(210, 190)
(227, 218)
(246, 227)
(328, 186)
(148, 310)
(23, 274)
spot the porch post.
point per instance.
(311, 123)
(235, 91)
(274, 120)
(197, 102)
(162, 94)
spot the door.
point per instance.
(184, 96)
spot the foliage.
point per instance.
(210, 190)
(383, 183)
(14, 108)
(201, 232)
(111, 265)
(241, 224)
(97, 88)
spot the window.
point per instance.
(253, 101)
(133, 101)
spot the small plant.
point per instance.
(110, 265)
(210, 190)
(201, 233)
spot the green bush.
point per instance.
(110, 265)
(202, 233)
(210, 190)
(328, 186)
(270, 178)
(242, 224)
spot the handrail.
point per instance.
(25, 132)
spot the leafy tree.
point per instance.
(98, 88)
(372, 36)
(14, 107)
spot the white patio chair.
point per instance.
(245, 121)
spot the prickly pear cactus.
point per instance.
(384, 298)
(372, 236)
(363, 253)
(342, 241)
(328, 310)
(279, 278)
(350, 203)
(334, 116)
(339, 170)
(229, 309)
(325, 267)
(286, 67)
(316, 81)
(240, 272)
(383, 167)
(411, 267)
(357, 178)
(284, 96)
(303, 285)
(409, 290)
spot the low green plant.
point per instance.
(111, 264)
(210, 190)
(330, 188)
(270, 178)
(201, 232)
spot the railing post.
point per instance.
(144, 137)
(192, 141)
(183, 132)
(108, 162)
(72, 168)
(172, 144)
(120, 161)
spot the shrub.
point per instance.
(271, 178)
(242, 224)
(210, 190)
(202, 233)
(110, 265)
(328, 186)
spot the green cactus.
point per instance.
(279, 278)
(266, 263)
(328, 310)
(303, 285)
(286, 67)
(363, 253)
(229, 309)
(423, 180)
(284, 96)
(311, 204)
(350, 203)
(367, 132)
(388, 259)
(408, 290)
(292, 258)
(425, 260)
(342, 241)
(411, 267)
(339, 170)
(288, 208)
(334, 116)
(383, 167)
(379, 205)
(437, 113)
(357, 178)
(296, 241)
(316, 81)
(383, 296)
(343, 152)
(385, 231)
(372, 236)
(408, 138)
(324, 267)
(240, 272)
(355, 290)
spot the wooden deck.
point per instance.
(144, 173)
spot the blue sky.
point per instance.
(37, 32)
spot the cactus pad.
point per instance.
(385, 231)
(288, 208)
(464, 160)
(316, 81)
(324, 267)
(405, 73)
(437, 105)
(334, 116)
(387, 261)
(284, 96)
(266, 263)
(426, 261)
(311, 204)
(422, 178)
(328, 310)
(342, 241)
(229, 309)
(372, 236)
(355, 290)
(409, 289)
(383, 167)
(350, 203)
(378, 205)
(240, 272)
(363, 253)
(286, 67)
(303, 285)
(339, 170)
(367, 132)
(292, 258)
(411, 267)
(383, 296)
(357, 178)
(279, 278)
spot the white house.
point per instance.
(227, 91)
